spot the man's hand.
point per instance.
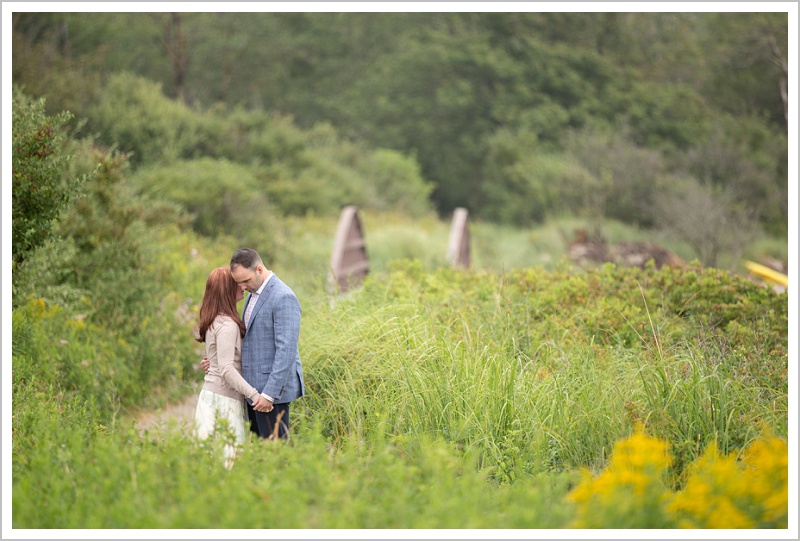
(205, 364)
(262, 404)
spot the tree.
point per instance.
(710, 220)
(747, 60)
(174, 44)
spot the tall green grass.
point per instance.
(542, 371)
(437, 398)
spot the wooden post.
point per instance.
(349, 261)
(458, 250)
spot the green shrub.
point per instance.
(115, 478)
(221, 197)
(125, 272)
(527, 185)
(135, 116)
(60, 354)
(41, 186)
(330, 173)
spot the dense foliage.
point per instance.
(522, 393)
(485, 103)
(41, 183)
(441, 389)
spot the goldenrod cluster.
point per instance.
(630, 492)
(726, 492)
(749, 491)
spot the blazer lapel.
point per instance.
(261, 300)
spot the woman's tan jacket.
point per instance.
(224, 352)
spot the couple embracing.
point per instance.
(252, 364)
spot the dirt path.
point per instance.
(179, 415)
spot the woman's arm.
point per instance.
(228, 341)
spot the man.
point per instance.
(270, 353)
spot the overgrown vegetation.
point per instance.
(426, 388)
(522, 393)
(40, 188)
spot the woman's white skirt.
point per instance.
(216, 413)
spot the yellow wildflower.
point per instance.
(723, 492)
(630, 493)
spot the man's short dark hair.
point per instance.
(247, 258)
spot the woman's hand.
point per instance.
(262, 404)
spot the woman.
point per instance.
(221, 400)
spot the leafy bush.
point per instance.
(526, 185)
(134, 115)
(625, 176)
(57, 353)
(118, 267)
(41, 187)
(221, 197)
(264, 162)
(394, 182)
(331, 173)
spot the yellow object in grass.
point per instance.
(767, 273)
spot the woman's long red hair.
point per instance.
(219, 298)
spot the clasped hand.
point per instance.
(259, 404)
(262, 404)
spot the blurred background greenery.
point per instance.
(652, 119)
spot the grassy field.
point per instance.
(521, 394)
